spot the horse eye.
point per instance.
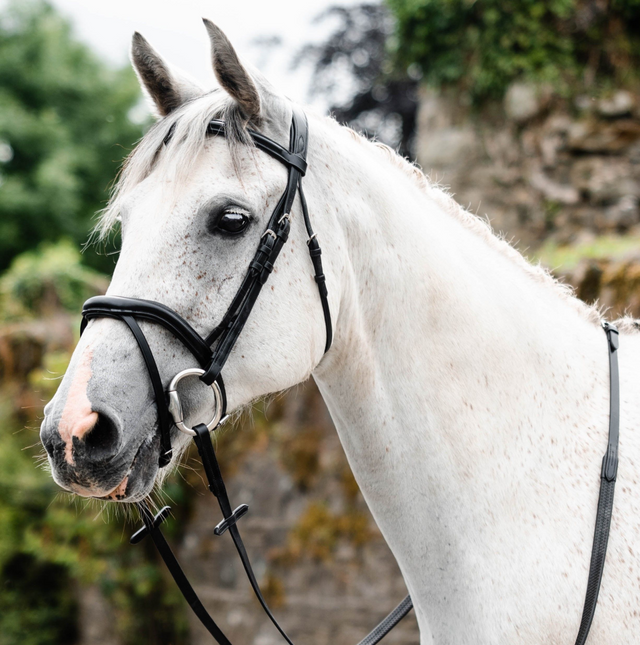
(233, 223)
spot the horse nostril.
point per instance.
(102, 440)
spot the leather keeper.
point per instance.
(211, 374)
(231, 520)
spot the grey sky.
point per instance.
(175, 29)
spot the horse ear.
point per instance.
(231, 74)
(167, 89)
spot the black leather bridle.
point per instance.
(225, 335)
(213, 351)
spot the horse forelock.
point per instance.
(173, 145)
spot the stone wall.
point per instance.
(538, 166)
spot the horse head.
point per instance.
(192, 210)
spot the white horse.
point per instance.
(469, 389)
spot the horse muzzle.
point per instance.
(91, 459)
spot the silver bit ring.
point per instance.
(175, 405)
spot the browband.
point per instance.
(273, 149)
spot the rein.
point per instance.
(212, 353)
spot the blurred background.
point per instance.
(528, 110)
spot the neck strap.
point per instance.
(607, 488)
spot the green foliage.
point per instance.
(49, 278)
(50, 546)
(480, 46)
(64, 130)
(34, 604)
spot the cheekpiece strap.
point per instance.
(273, 239)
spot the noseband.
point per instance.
(212, 353)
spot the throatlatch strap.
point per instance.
(315, 253)
(607, 488)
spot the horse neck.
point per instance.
(434, 303)
(454, 365)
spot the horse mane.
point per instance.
(174, 143)
(482, 227)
